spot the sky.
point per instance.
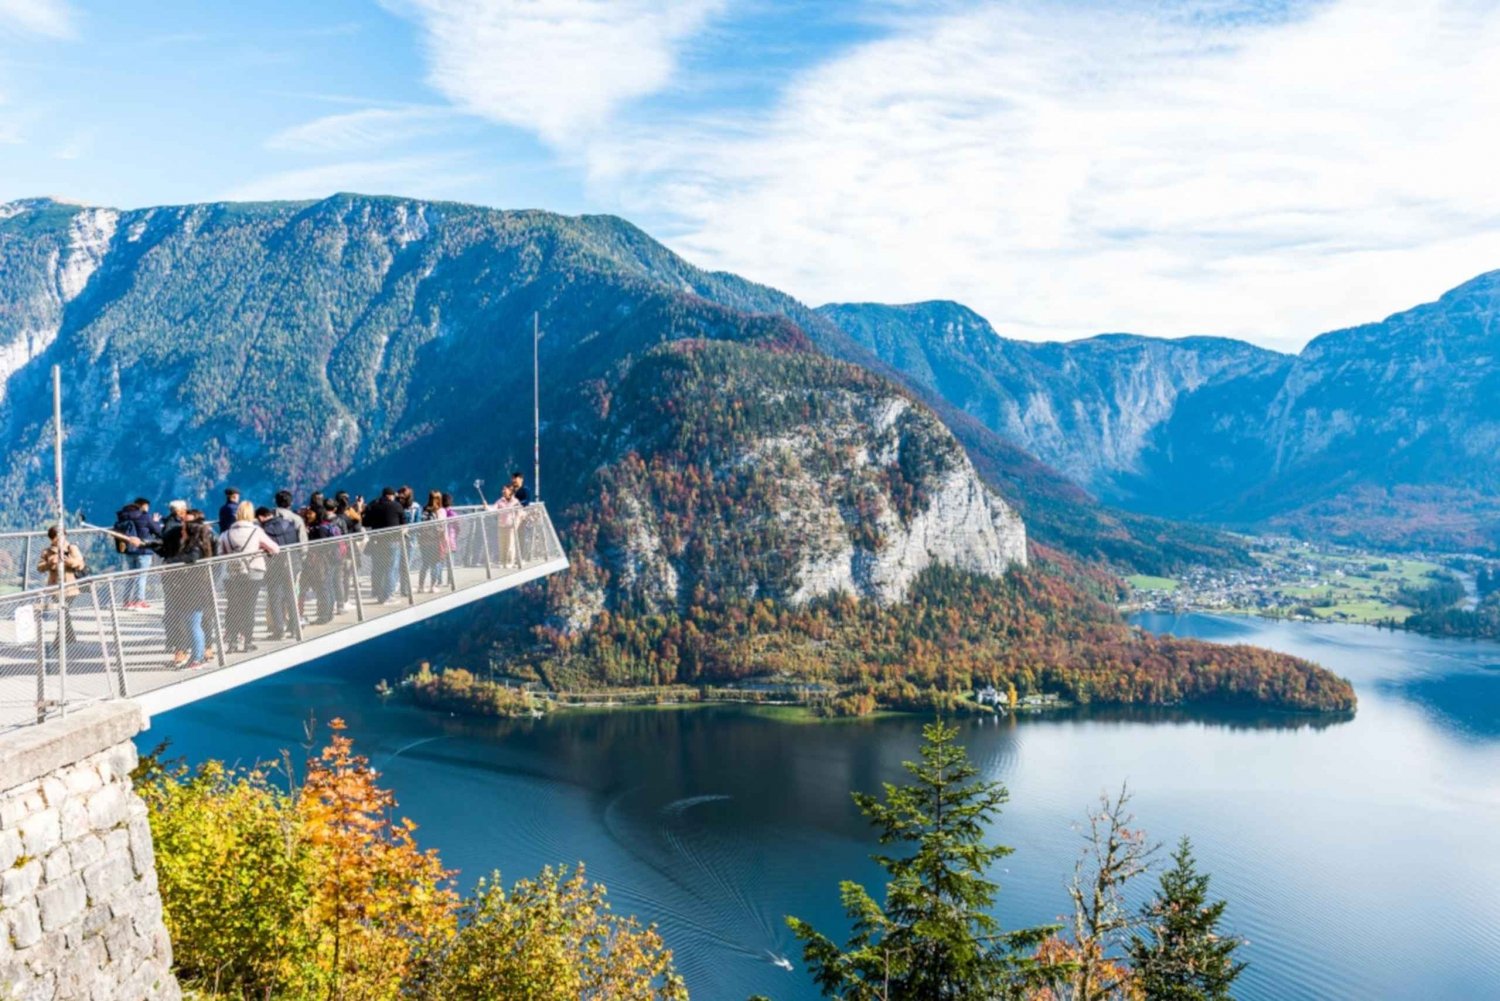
(1264, 170)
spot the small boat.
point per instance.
(781, 961)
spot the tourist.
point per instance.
(284, 510)
(69, 565)
(508, 507)
(518, 487)
(284, 529)
(242, 577)
(432, 537)
(187, 589)
(385, 562)
(449, 537)
(412, 515)
(324, 563)
(136, 536)
(407, 498)
(175, 510)
(229, 513)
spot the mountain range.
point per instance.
(1387, 433)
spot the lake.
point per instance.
(1361, 858)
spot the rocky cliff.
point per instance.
(793, 477)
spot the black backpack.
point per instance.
(282, 530)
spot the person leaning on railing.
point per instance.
(70, 564)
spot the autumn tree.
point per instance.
(934, 938)
(553, 938)
(377, 897)
(1182, 955)
(234, 878)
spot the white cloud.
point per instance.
(41, 17)
(434, 176)
(559, 68)
(368, 128)
(1068, 170)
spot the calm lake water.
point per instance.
(1361, 859)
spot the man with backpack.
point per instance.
(282, 570)
(137, 538)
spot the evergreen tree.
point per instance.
(934, 939)
(1183, 957)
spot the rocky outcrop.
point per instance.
(804, 478)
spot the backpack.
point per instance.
(123, 527)
(282, 530)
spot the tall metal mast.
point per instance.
(536, 408)
(62, 540)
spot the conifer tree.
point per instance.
(934, 939)
(1183, 956)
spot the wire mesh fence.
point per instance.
(133, 631)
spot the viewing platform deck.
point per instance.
(127, 625)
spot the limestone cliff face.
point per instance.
(46, 273)
(804, 478)
(1088, 408)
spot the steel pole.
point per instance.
(62, 543)
(536, 408)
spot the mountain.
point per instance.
(1383, 433)
(734, 497)
(303, 343)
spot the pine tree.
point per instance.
(934, 939)
(1183, 957)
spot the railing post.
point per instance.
(26, 566)
(104, 644)
(484, 540)
(114, 625)
(213, 590)
(411, 591)
(450, 546)
(293, 596)
(41, 663)
(359, 601)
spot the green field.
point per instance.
(1144, 582)
(1354, 588)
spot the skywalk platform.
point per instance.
(127, 625)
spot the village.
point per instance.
(1292, 578)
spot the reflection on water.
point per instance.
(1358, 855)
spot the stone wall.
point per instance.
(80, 916)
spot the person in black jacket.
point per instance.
(137, 535)
(281, 571)
(385, 562)
(518, 488)
(230, 510)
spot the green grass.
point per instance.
(1145, 582)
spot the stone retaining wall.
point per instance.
(80, 916)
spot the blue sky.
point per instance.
(1266, 170)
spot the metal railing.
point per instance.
(20, 551)
(133, 631)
